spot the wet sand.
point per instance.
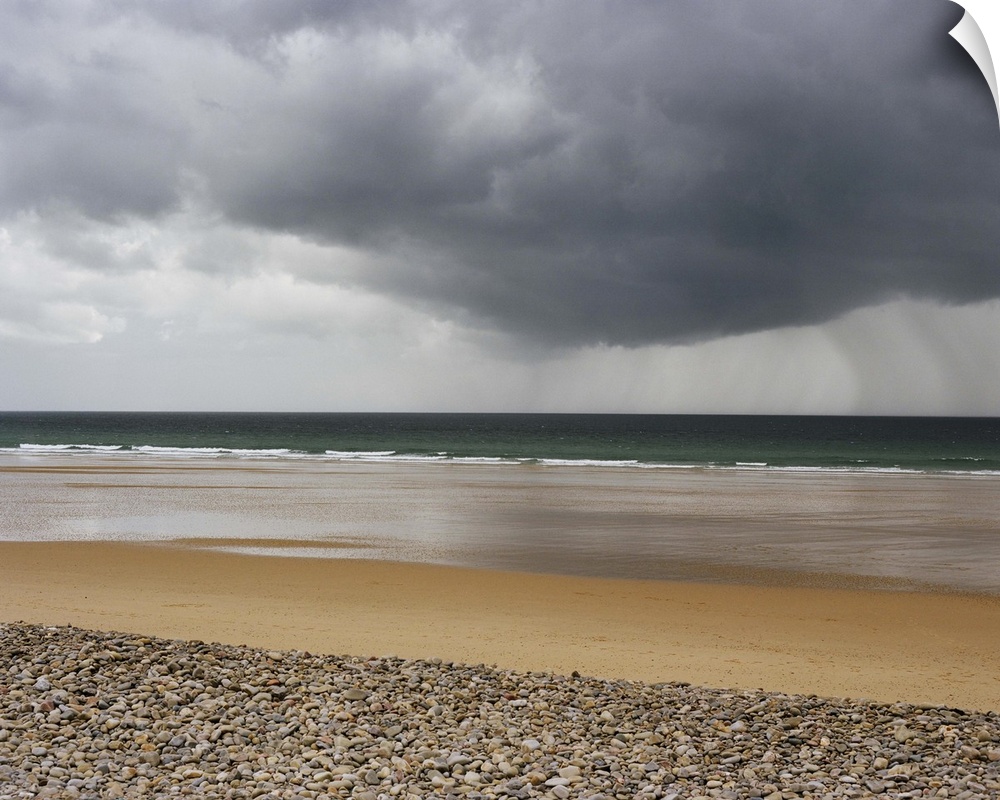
(891, 646)
(899, 531)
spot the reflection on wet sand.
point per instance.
(895, 531)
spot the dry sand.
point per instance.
(881, 645)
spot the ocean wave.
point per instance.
(859, 467)
(380, 455)
(53, 448)
(485, 460)
(585, 462)
(213, 451)
(355, 455)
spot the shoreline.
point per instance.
(885, 646)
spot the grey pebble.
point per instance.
(126, 716)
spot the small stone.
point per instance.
(170, 718)
(903, 734)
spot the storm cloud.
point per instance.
(572, 173)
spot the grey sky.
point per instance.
(661, 206)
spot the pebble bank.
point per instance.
(85, 714)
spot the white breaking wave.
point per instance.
(486, 460)
(411, 457)
(356, 455)
(212, 451)
(50, 448)
(392, 456)
(584, 462)
(382, 455)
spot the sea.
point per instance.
(855, 443)
(877, 502)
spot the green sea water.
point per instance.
(934, 444)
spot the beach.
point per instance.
(880, 645)
(741, 633)
(837, 585)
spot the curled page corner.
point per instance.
(978, 28)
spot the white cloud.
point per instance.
(63, 323)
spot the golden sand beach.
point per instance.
(880, 645)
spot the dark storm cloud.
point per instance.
(577, 171)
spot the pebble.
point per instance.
(86, 714)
